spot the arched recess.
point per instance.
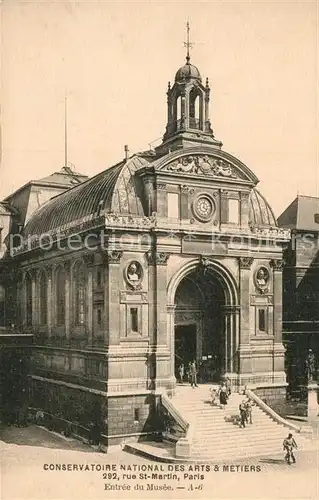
(221, 290)
(60, 296)
(79, 293)
(29, 302)
(43, 298)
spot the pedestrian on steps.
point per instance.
(181, 373)
(249, 411)
(289, 445)
(242, 413)
(193, 374)
(223, 397)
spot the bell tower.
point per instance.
(188, 99)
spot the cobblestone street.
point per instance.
(25, 452)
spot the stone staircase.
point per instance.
(215, 436)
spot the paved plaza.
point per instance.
(29, 454)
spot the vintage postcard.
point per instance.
(159, 262)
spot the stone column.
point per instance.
(245, 361)
(223, 207)
(161, 327)
(312, 406)
(50, 301)
(23, 298)
(113, 286)
(161, 200)
(68, 303)
(184, 111)
(171, 335)
(279, 350)
(244, 209)
(89, 261)
(184, 202)
(277, 265)
(34, 298)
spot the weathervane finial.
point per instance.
(188, 44)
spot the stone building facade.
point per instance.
(168, 256)
(301, 286)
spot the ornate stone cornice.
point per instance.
(277, 264)
(245, 262)
(114, 256)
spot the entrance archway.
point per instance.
(204, 320)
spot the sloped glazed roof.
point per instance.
(113, 190)
(260, 212)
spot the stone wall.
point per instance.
(275, 397)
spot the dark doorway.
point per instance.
(185, 345)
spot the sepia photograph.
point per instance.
(159, 249)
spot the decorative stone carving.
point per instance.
(67, 265)
(184, 189)
(277, 264)
(88, 259)
(310, 366)
(244, 195)
(48, 271)
(262, 279)
(161, 187)
(202, 164)
(114, 256)
(203, 207)
(161, 258)
(245, 262)
(133, 275)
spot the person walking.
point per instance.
(223, 396)
(193, 374)
(181, 373)
(249, 411)
(289, 445)
(228, 386)
(243, 415)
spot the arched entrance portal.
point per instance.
(199, 326)
(205, 320)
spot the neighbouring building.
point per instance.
(301, 286)
(168, 256)
(15, 341)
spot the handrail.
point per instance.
(174, 412)
(270, 411)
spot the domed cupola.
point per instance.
(187, 72)
(188, 120)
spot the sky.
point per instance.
(113, 60)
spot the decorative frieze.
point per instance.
(203, 164)
(245, 262)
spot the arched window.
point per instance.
(2, 306)
(194, 109)
(43, 297)
(60, 296)
(79, 281)
(28, 291)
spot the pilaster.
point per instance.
(112, 296)
(67, 300)
(245, 264)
